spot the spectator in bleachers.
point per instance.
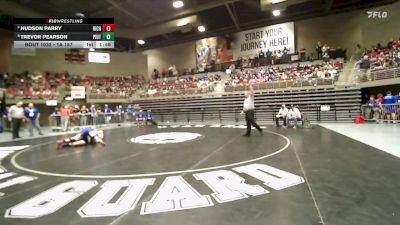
(64, 113)
(155, 74)
(32, 114)
(261, 54)
(118, 114)
(107, 114)
(129, 113)
(318, 49)
(73, 115)
(6, 123)
(389, 108)
(256, 61)
(150, 117)
(100, 116)
(55, 117)
(83, 114)
(274, 56)
(293, 115)
(285, 55)
(92, 115)
(302, 53)
(268, 55)
(364, 65)
(140, 118)
(379, 98)
(282, 114)
(152, 91)
(372, 106)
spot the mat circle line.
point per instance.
(16, 165)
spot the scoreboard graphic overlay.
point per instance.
(63, 32)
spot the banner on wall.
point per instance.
(275, 37)
(246, 43)
(78, 92)
(213, 50)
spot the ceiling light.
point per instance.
(177, 4)
(141, 42)
(201, 28)
(182, 22)
(276, 12)
(277, 1)
(91, 49)
(79, 14)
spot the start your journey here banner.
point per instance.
(275, 37)
(245, 44)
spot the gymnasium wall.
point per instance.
(374, 30)
(181, 55)
(348, 29)
(344, 30)
(5, 45)
(53, 60)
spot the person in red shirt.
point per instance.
(373, 54)
(64, 113)
(379, 99)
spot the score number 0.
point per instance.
(108, 27)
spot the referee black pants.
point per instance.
(250, 121)
(16, 124)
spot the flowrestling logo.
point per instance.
(377, 14)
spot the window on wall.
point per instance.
(99, 57)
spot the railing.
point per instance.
(378, 74)
(108, 96)
(187, 116)
(79, 120)
(381, 112)
(221, 116)
(311, 82)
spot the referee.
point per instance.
(16, 115)
(248, 110)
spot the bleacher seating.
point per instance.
(344, 104)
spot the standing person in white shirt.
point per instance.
(248, 110)
(16, 115)
(282, 114)
(293, 114)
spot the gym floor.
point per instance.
(315, 176)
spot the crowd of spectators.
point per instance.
(124, 86)
(256, 69)
(289, 73)
(180, 85)
(47, 85)
(379, 56)
(33, 85)
(326, 52)
(379, 107)
(71, 116)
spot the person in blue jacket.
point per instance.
(140, 117)
(86, 136)
(32, 114)
(150, 118)
(107, 114)
(389, 107)
(129, 113)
